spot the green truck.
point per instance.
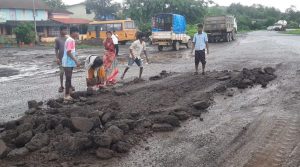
(220, 28)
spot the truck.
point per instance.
(220, 28)
(170, 30)
(280, 25)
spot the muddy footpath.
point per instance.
(99, 126)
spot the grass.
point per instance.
(293, 32)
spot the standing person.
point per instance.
(136, 49)
(115, 39)
(59, 52)
(69, 60)
(109, 59)
(200, 42)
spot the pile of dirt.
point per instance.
(109, 122)
(248, 78)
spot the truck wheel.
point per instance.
(176, 45)
(160, 48)
(227, 37)
(189, 44)
(233, 36)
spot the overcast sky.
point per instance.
(280, 4)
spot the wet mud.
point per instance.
(97, 126)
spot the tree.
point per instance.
(55, 4)
(103, 8)
(143, 10)
(25, 33)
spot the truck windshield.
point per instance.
(162, 22)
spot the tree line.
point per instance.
(248, 17)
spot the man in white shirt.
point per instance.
(200, 43)
(115, 39)
(136, 49)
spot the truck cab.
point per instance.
(169, 30)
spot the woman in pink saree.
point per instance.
(109, 59)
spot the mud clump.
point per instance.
(250, 77)
(162, 75)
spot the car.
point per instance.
(270, 28)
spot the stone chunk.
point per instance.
(82, 124)
(162, 127)
(104, 153)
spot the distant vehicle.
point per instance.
(125, 29)
(280, 25)
(220, 28)
(270, 28)
(169, 30)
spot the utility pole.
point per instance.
(35, 30)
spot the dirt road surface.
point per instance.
(257, 127)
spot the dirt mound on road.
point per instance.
(107, 123)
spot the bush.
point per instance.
(191, 30)
(25, 33)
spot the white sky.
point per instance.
(280, 4)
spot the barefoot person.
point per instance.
(95, 72)
(59, 52)
(136, 49)
(69, 60)
(109, 59)
(200, 42)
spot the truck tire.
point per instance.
(233, 36)
(227, 37)
(189, 44)
(176, 45)
(160, 48)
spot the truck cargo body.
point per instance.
(169, 30)
(220, 28)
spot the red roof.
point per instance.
(71, 20)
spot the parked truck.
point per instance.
(169, 30)
(220, 28)
(280, 25)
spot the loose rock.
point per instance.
(82, 124)
(23, 138)
(121, 147)
(3, 149)
(169, 119)
(201, 105)
(104, 153)
(18, 152)
(115, 133)
(103, 140)
(38, 141)
(32, 104)
(162, 127)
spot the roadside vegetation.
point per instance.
(294, 32)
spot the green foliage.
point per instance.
(55, 4)
(191, 29)
(143, 10)
(293, 32)
(25, 33)
(103, 8)
(293, 24)
(216, 11)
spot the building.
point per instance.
(79, 11)
(16, 12)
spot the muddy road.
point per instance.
(257, 127)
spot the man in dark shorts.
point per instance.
(200, 42)
(59, 52)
